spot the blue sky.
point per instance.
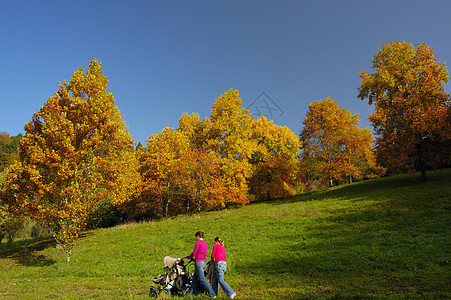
(164, 58)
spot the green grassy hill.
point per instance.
(384, 238)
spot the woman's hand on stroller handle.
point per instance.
(189, 261)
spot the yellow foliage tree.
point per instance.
(333, 146)
(8, 149)
(210, 163)
(77, 152)
(161, 166)
(206, 166)
(411, 118)
(203, 184)
(228, 134)
(252, 155)
(178, 176)
(275, 157)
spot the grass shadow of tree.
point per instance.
(365, 250)
(27, 252)
(402, 234)
(361, 189)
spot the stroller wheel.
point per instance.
(153, 292)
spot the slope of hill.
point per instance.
(384, 238)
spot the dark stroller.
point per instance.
(176, 280)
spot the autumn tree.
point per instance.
(411, 116)
(227, 132)
(252, 155)
(162, 164)
(275, 158)
(77, 152)
(205, 166)
(10, 224)
(8, 149)
(203, 184)
(210, 163)
(333, 145)
(195, 129)
(202, 164)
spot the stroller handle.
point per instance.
(189, 265)
(189, 261)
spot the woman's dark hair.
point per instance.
(199, 234)
(219, 240)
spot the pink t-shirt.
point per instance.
(219, 253)
(200, 251)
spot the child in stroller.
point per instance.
(176, 280)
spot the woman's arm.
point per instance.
(196, 249)
(213, 254)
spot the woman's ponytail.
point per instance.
(219, 240)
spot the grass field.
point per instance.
(381, 239)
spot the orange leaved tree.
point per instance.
(411, 117)
(179, 176)
(206, 167)
(228, 134)
(162, 164)
(77, 152)
(203, 184)
(275, 158)
(333, 146)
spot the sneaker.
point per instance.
(233, 296)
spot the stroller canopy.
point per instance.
(169, 262)
(176, 264)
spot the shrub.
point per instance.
(104, 216)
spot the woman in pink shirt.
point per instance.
(219, 257)
(200, 261)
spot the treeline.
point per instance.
(78, 164)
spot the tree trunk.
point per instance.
(166, 202)
(424, 175)
(68, 256)
(187, 203)
(422, 164)
(268, 179)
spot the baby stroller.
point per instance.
(176, 280)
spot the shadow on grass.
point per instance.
(26, 252)
(361, 253)
(385, 187)
(403, 235)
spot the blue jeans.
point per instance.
(199, 275)
(219, 279)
